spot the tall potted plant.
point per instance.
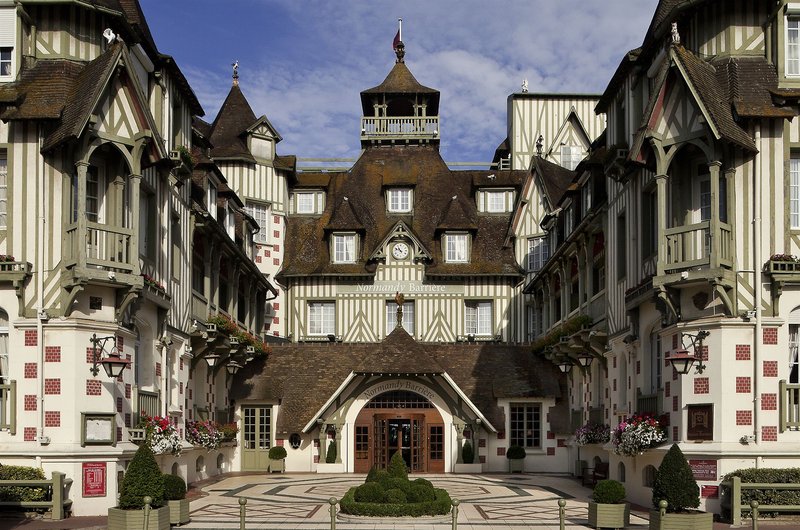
(142, 478)
(608, 508)
(175, 494)
(516, 459)
(276, 455)
(675, 495)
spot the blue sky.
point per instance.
(304, 62)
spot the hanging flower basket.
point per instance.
(592, 433)
(637, 434)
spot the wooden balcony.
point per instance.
(400, 128)
(100, 246)
(789, 397)
(701, 251)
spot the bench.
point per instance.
(592, 474)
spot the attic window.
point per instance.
(571, 156)
(304, 202)
(399, 200)
(793, 45)
(456, 248)
(5, 61)
(496, 201)
(344, 248)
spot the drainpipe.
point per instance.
(757, 242)
(40, 239)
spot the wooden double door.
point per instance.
(419, 438)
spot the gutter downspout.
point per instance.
(757, 243)
(40, 248)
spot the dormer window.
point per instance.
(308, 202)
(571, 156)
(793, 45)
(230, 223)
(344, 248)
(211, 206)
(495, 201)
(5, 61)
(456, 246)
(399, 200)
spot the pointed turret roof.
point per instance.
(234, 118)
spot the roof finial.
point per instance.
(235, 65)
(539, 145)
(676, 37)
(397, 44)
(524, 86)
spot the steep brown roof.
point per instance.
(554, 179)
(456, 216)
(749, 82)
(345, 216)
(400, 81)
(307, 248)
(304, 376)
(234, 118)
(41, 92)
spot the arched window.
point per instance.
(3, 346)
(621, 472)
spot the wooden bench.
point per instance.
(592, 474)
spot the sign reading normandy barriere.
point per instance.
(405, 287)
(388, 386)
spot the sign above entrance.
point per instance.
(388, 386)
(407, 288)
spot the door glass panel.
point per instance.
(263, 429)
(436, 442)
(362, 442)
(249, 436)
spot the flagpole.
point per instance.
(400, 28)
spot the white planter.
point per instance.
(330, 468)
(468, 468)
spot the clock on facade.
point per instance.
(400, 251)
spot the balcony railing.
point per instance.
(691, 246)
(405, 127)
(649, 403)
(149, 403)
(596, 415)
(8, 406)
(789, 406)
(106, 246)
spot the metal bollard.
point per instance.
(662, 507)
(454, 511)
(147, 501)
(333, 502)
(754, 513)
(242, 512)
(562, 513)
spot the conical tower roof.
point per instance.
(234, 118)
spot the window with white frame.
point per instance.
(569, 221)
(538, 253)
(6, 54)
(794, 192)
(321, 318)
(456, 248)
(408, 316)
(344, 248)
(571, 156)
(211, 205)
(526, 425)
(478, 318)
(586, 197)
(260, 212)
(656, 363)
(495, 201)
(230, 222)
(792, 45)
(304, 202)
(3, 189)
(399, 200)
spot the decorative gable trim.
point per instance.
(401, 231)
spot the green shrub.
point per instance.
(608, 492)
(515, 452)
(16, 493)
(143, 477)
(421, 493)
(396, 496)
(174, 488)
(397, 467)
(675, 483)
(398, 483)
(369, 492)
(439, 506)
(330, 456)
(767, 476)
(467, 453)
(277, 452)
(372, 476)
(382, 477)
(423, 481)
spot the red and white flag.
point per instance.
(396, 40)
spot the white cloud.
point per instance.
(305, 69)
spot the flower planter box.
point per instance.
(516, 465)
(609, 515)
(681, 521)
(119, 519)
(178, 511)
(277, 466)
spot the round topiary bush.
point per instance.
(398, 483)
(174, 488)
(397, 467)
(143, 477)
(467, 453)
(396, 496)
(369, 492)
(423, 481)
(608, 492)
(277, 452)
(421, 493)
(515, 452)
(675, 483)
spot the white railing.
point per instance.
(400, 127)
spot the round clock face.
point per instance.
(400, 251)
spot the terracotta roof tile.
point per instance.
(41, 92)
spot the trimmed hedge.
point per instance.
(396, 496)
(439, 506)
(174, 487)
(608, 492)
(421, 493)
(423, 481)
(369, 492)
(330, 456)
(675, 483)
(17, 493)
(467, 453)
(143, 477)
(397, 466)
(768, 476)
(393, 483)
(278, 452)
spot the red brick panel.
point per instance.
(158, 369)
(30, 434)
(52, 387)
(128, 391)
(674, 403)
(31, 369)
(769, 433)
(276, 306)
(666, 388)
(501, 451)
(742, 352)
(30, 402)
(52, 354)
(551, 451)
(561, 442)
(120, 343)
(93, 387)
(770, 369)
(482, 459)
(638, 367)
(704, 353)
(482, 442)
(119, 434)
(742, 385)
(701, 385)
(276, 248)
(119, 405)
(551, 435)
(675, 434)
(52, 418)
(89, 356)
(276, 261)
(744, 417)
(769, 401)
(31, 338)
(770, 335)
(675, 342)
